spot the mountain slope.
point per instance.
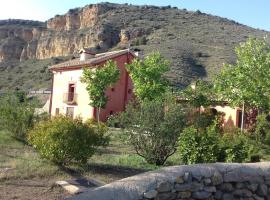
(196, 43)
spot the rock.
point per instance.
(197, 178)
(124, 36)
(179, 180)
(262, 190)
(242, 193)
(226, 187)
(210, 189)
(165, 196)
(201, 195)
(195, 186)
(207, 181)
(187, 177)
(227, 196)
(217, 178)
(218, 194)
(240, 185)
(252, 187)
(150, 194)
(184, 195)
(182, 187)
(256, 197)
(164, 187)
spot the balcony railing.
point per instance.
(70, 98)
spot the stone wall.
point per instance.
(203, 181)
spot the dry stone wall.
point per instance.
(204, 182)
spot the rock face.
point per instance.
(196, 43)
(164, 184)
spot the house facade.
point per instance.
(232, 116)
(69, 95)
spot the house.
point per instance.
(69, 95)
(232, 115)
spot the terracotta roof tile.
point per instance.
(92, 61)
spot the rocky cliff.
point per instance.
(196, 43)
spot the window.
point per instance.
(112, 89)
(71, 92)
(56, 111)
(239, 118)
(70, 112)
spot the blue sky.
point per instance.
(255, 13)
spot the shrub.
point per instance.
(17, 114)
(262, 129)
(63, 140)
(235, 147)
(209, 145)
(199, 146)
(153, 128)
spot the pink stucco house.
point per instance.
(69, 96)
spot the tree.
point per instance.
(17, 114)
(148, 76)
(153, 128)
(247, 82)
(199, 94)
(98, 80)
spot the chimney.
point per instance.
(86, 54)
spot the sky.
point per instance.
(254, 13)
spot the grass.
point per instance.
(114, 162)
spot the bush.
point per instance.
(199, 146)
(209, 145)
(63, 140)
(153, 128)
(262, 129)
(235, 147)
(17, 114)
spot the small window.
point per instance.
(112, 89)
(70, 112)
(56, 111)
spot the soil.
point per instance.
(31, 190)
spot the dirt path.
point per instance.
(31, 190)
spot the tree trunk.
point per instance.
(242, 120)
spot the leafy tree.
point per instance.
(98, 80)
(17, 114)
(148, 76)
(247, 82)
(153, 128)
(199, 94)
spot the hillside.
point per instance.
(196, 43)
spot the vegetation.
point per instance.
(17, 114)
(198, 94)
(199, 146)
(209, 145)
(235, 147)
(63, 140)
(246, 83)
(152, 128)
(148, 77)
(98, 81)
